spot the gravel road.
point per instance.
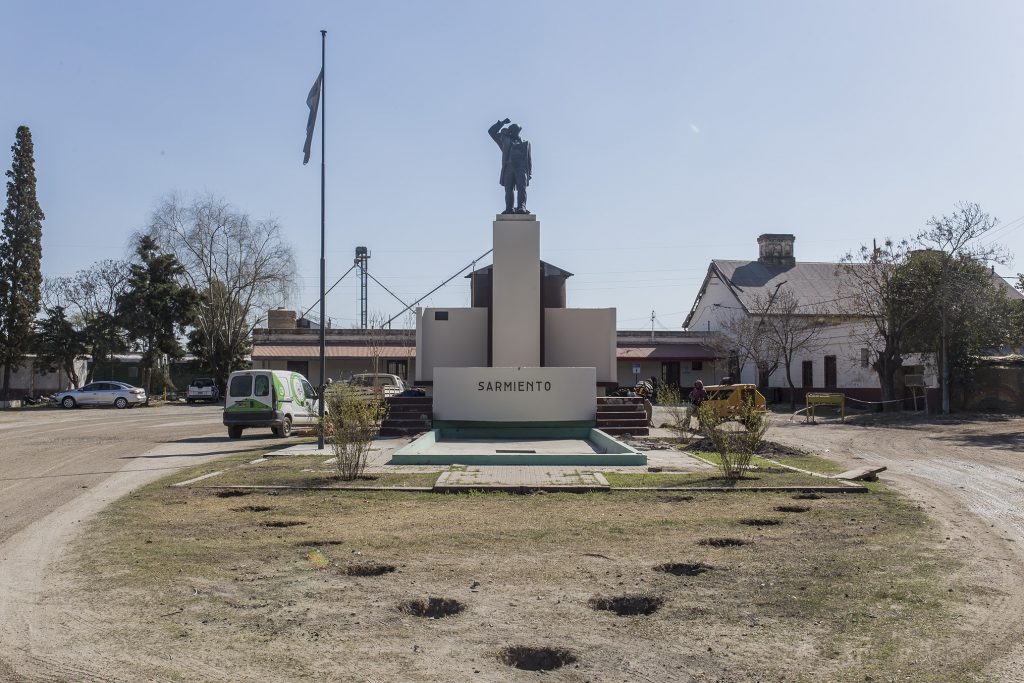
(57, 467)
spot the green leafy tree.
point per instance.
(971, 314)
(20, 254)
(57, 344)
(155, 308)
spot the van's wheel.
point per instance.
(285, 430)
(68, 402)
(121, 402)
(234, 432)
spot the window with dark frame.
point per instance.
(696, 365)
(807, 374)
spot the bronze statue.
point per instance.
(516, 164)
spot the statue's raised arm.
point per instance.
(516, 164)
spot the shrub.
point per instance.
(351, 422)
(680, 411)
(729, 440)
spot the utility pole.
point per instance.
(652, 325)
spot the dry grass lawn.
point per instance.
(186, 584)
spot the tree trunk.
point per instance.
(887, 383)
(945, 367)
(792, 389)
(7, 380)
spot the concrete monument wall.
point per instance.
(581, 337)
(456, 338)
(515, 394)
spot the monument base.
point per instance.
(517, 445)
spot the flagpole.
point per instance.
(323, 231)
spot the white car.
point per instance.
(202, 389)
(117, 394)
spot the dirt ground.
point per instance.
(967, 473)
(179, 584)
(59, 467)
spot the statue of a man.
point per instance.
(516, 164)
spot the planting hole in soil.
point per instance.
(723, 542)
(792, 508)
(232, 493)
(536, 658)
(683, 568)
(369, 569)
(252, 508)
(316, 543)
(674, 499)
(808, 496)
(432, 608)
(627, 605)
(282, 524)
(761, 522)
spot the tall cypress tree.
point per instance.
(21, 251)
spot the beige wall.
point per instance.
(581, 338)
(458, 342)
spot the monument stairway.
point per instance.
(622, 415)
(408, 415)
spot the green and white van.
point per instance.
(278, 399)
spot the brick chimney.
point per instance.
(280, 319)
(776, 249)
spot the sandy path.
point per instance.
(58, 469)
(969, 476)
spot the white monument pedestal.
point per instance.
(515, 321)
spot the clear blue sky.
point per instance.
(665, 134)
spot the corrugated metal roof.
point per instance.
(332, 351)
(665, 352)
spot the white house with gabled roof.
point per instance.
(839, 360)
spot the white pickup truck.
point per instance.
(202, 389)
(380, 385)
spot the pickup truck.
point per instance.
(202, 389)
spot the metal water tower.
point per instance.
(362, 256)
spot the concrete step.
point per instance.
(619, 400)
(402, 431)
(601, 424)
(620, 431)
(620, 414)
(410, 400)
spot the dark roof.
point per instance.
(813, 284)
(549, 270)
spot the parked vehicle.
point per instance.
(202, 389)
(278, 399)
(379, 384)
(117, 394)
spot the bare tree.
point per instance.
(743, 337)
(240, 266)
(90, 299)
(794, 329)
(874, 289)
